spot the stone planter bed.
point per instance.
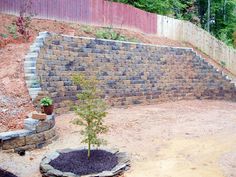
(4, 173)
(35, 134)
(74, 163)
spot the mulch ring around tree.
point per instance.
(78, 163)
(4, 173)
(74, 162)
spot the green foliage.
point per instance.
(91, 111)
(234, 39)
(3, 35)
(12, 30)
(133, 40)
(46, 101)
(164, 7)
(222, 14)
(87, 29)
(222, 63)
(109, 33)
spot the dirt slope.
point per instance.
(14, 98)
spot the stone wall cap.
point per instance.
(14, 134)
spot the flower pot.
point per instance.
(47, 109)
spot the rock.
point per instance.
(13, 143)
(103, 174)
(43, 126)
(55, 173)
(45, 167)
(68, 174)
(15, 134)
(35, 138)
(26, 147)
(49, 134)
(39, 116)
(30, 124)
(52, 156)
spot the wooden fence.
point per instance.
(96, 12)
(185, 31)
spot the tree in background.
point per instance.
(216, 16)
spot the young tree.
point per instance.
(91, 111)
(24, 20)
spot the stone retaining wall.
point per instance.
(130, 73)
(35, 134)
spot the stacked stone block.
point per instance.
(35, 134)
(129, 73)
(32, 81)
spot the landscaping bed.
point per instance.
(78, 163)
(4, 173)
(75, 162)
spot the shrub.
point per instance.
(91, 111)
(23, 21)
(3, 35)
(12, 30)
(223, 64)
(86, 29)
(109, 33)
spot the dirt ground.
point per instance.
(176, 139)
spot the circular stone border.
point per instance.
(48, 171)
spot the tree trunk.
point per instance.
(208, 15)
(224, 9)
(89, 149)
(89, 141)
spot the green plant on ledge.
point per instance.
(46, 105)
(91, 110)
(46, 101)
(12, 30)
(223, 64)
(109, 33)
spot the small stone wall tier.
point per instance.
(48, 171)
(129, 73)
(35, 134)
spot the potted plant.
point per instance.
(46, 105)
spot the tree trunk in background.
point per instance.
(224, 9)
(208, 15)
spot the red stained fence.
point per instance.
(97, 12)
